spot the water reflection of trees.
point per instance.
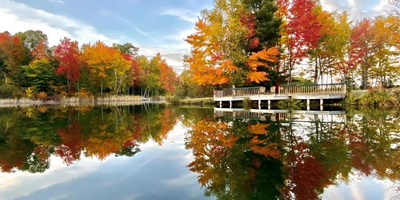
(279, 158)
(28, 137)
(235, 159)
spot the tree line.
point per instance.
(273, 42)
(28, 66)
(236, 43)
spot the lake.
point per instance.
(161, 152)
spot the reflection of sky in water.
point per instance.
(362, 188)
(157, 172)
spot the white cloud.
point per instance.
(360, 187)
(358, 9)
(133, 25)
(352, 4)
(19, 184)
(172, 48)
(57, 1)
(18, 17)
(181, 13)
(125, 20)
(384, 7)
(179, 49)
(173, 57)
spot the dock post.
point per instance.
(321, 104)
(259, 104)
(308, 104)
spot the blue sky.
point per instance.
(152, 25)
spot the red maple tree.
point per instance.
(67, 53)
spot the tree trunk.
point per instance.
(69, 86)
(101, 87)
(277, 79)
(364, 76)
(290, 68)
(5, 78)
(316, 71)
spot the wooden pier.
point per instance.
(319, 92)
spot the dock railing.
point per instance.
(245, 91)
(335, 88)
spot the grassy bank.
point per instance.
(374, 98)
(208, 101)
(72, 101)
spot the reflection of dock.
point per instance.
(295, 116)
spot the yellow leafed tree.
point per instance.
(107, 66)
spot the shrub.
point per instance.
(6, 91)
(379, 98)
(290, 104)
(18, 94)
(83, 94)
(29, 92)
(42, 96)
(42, 109)
(247, 103)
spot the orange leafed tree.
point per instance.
(218, 44)
(40, 51)
(220, 47)
(260, 59)
(168, 77)
(107, 66)
(12, 52)
(206, 61)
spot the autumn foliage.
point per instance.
(306, 32)
(12, 54)
(26, 61)
(68, 55)
(214, 143)
(216, 58)
(261, 59)
(207, 64)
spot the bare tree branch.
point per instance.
(395, 3)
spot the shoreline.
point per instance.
(75, 101)
(372, 98)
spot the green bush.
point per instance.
(290, 104)
(379, 98)
(6, 91)
(247, 103)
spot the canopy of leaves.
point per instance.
(68, 55)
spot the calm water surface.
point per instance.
(159, 152)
